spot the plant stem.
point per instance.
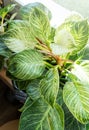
(49, 65)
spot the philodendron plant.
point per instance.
(52, 66)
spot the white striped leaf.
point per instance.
(81, 71)
(39, 25)
(76, 97)
(72, 36)
(50, 85)
(41, 116)
(19, 36)
(84, 53)
(64, 42)
(25, 11)
(33, 89)
(70, 122)
(26, 65)
(80, 32)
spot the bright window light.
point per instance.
(58, 12)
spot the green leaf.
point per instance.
(78, 35)
(80, 32)
(22, 85)
(26, 65)
(4, 51)
(39, 25)
(87, 127)
(76, 97)
(81, 71)
(70, 122)
(27, 104)
(41, 116)
(33, 89)
(60, 97)
(50, 85)
(64, 42)
(75, 17)
(26, 10)
(4, 11)
(84, 53)
(19, 36)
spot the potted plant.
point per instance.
(51, 65)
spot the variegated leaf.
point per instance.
(76, 97)
(26, 65)
(41, 116)
(50, 85)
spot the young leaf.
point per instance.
(81, 71)
(78, 30)
(76, 97)
(39, 25)
(26, 65)
(26, 10)
(41, 116)
(50, 85)
(64, 42)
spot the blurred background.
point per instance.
(80, 6)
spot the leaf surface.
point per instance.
(81, 71)
(7, 9)
(26, 65)
(41, 116)
(26, 10)
(75, 35)
(76, 97)
(50, 85)
(19, 36)
(70, 122)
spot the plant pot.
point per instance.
(14, 94)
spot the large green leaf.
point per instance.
(70, 122)
(50, 85)
(76, 97)
(26, 10)
(41, 116)
(26, 65)
(81, 71)
(19, 36)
